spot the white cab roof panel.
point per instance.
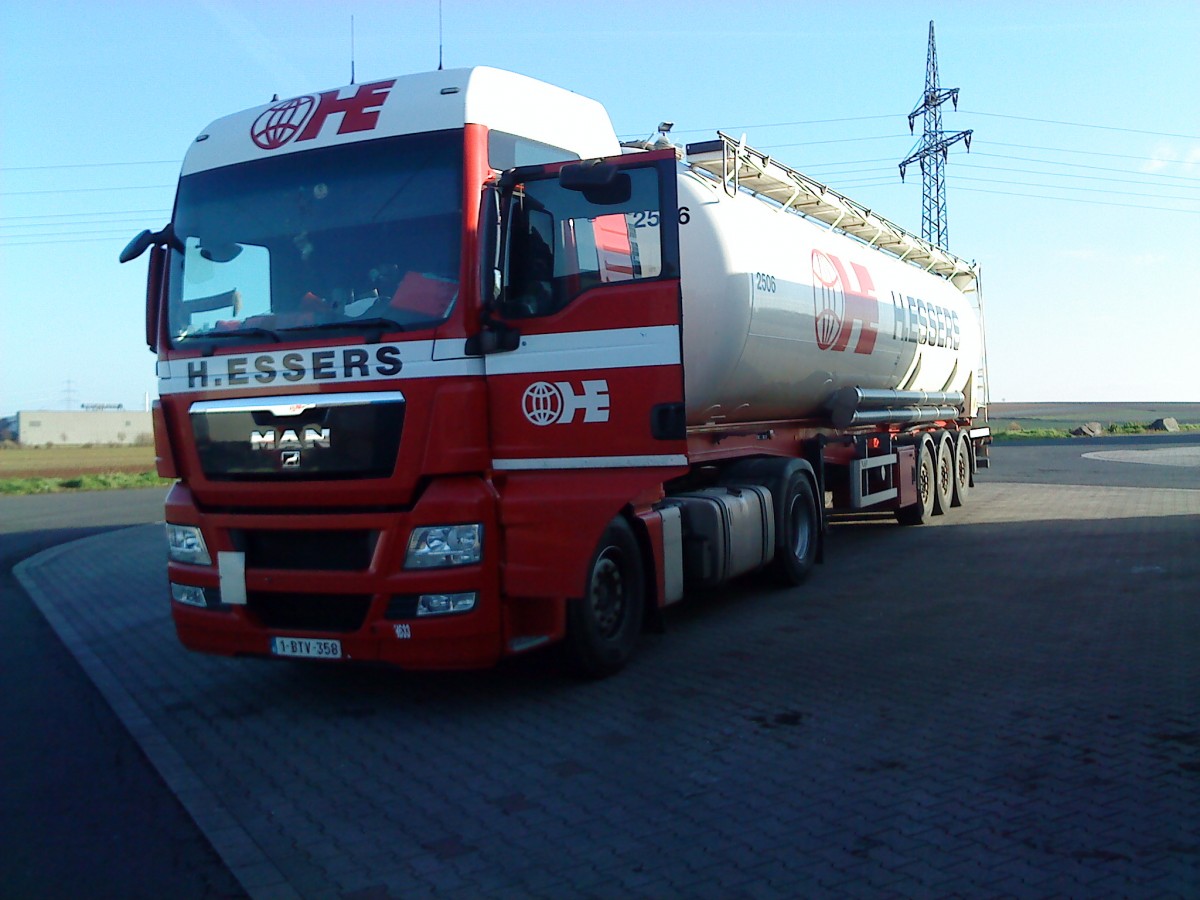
(410, 104)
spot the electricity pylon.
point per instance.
(933, 151)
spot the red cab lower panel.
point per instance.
(319, 577)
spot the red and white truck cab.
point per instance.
(363, 473)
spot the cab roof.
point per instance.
(409, 104)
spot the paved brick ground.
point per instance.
(1004, 704)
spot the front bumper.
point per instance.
(339, 575)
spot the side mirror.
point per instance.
(600, 183)
(489, 246)
(147, 239)
(155, 279)
(221, 253)
(139, 245)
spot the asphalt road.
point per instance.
(88, 815)
(83, 813)
(1076, 462)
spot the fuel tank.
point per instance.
(779, 313)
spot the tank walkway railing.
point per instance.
(738, 166)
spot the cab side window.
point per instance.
(564, 242)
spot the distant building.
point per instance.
(94, 426)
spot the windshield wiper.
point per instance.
(375, 326)
(241, 332)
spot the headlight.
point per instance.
(445, 604)
(435, 546)
(189, 594)
(185, 544)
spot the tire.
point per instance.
(943, 492)
(604, 624)
(797, 531)
(919, 512)
(797, 516)
(962, 469)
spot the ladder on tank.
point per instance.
(737, 166)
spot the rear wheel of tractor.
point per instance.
(604, 624)
(796, 531)
(943, 494)
(919, 512)
(962, 469)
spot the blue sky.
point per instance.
(1080, 196)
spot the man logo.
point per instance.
(556, 404)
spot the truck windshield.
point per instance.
(364, 234)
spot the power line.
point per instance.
(1081, 200)
(1085, 152)
(1190, 137)
(728, 128)
(103, 165)
(140, 187)
(116, 237)
(112, 232)
(1050, 162)
(1067, 187)
(974, 165)
(881, 137)
(115, 212)
(130, 220)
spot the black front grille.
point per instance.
(342, 550)
(331, 438)
(402, 606)
(310, 612)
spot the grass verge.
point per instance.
(104, 481)
(1020, 433)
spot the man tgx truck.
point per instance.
(447, 374)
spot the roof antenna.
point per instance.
(352, 49)
(439, 35)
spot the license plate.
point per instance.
(306, 648)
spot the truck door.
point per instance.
(584, 368)
(589, 375)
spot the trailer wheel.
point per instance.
(943, 494)
(797, 531)
(962, 469)
(919, 512)
(603, 625)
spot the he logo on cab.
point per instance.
(302, 118)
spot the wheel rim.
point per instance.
(945, 474)
(607, 595)
(964, 472)
(925, 480)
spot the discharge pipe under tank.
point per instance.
(859, 406)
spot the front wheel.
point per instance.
(604, 624)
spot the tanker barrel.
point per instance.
(857, 406)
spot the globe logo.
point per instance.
(281, 122)
(542, 403)
(829, 300)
